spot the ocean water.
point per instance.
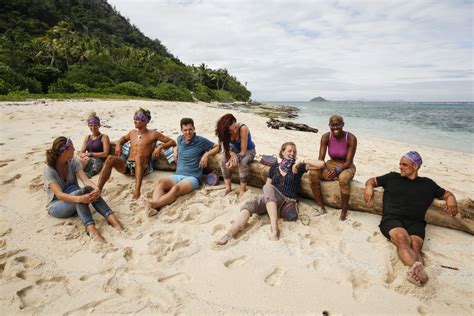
(441, 125)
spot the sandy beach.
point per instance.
(169, 264)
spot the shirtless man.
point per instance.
(142, 146)
(406, 198)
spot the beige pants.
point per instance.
(344, 177)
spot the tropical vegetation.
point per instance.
(86, 47)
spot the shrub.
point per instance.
(45, 75)
(203, 93)
(62, 86)
(170, 92)
(129, 88)
(223, 96)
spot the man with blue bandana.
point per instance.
(141, 152)
(406, 199)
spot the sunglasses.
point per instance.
(335, 125)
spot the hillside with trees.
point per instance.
(87, 47)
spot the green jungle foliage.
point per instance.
(67, 47)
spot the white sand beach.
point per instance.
(169, 264)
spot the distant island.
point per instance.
(318, 99)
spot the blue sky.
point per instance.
(340, 50)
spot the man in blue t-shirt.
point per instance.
(406, 199)
(191, 154)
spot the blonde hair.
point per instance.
(283, 147)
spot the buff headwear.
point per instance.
(414, 157)
(287, 163)
(93, 120)
(66, 146)
(140, 116)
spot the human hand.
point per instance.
(451, 207)
(203, 162)
(368, 194)
(329, 174)
(118, 150)
(156, 153)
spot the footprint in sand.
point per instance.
(359, 283)
(218, 228)
(374, 238)
(274, 278)
(1, 144)
(236, 261)
(15, 177)
(29, 296)
(36, 183)
(28, 262)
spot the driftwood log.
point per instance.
(276, 124)
(464, 221)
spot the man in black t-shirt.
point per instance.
(406, 199)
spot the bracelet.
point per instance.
(338, 169)
(239, 157)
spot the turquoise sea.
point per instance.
(447, 125)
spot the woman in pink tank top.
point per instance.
(341, 147)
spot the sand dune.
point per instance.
(170, 264)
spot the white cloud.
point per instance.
(295, 50)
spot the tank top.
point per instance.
(95, 146)
(337, 148)
(236, 144)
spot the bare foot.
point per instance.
(343, 215)
(94, 233)
(224, 239)
(227, 191)
(420, 272)
(136, 195)
(241, 195)
(113, 220)
(276, 234)
(413, 278)
(150, 210)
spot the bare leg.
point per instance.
(140, 163)
(171, 194)
(400, 238)
(94, 233)
(110, 162)
(237, 226)
(228, 186)
(344, 206)
(316, 188)
(417, 245)
(163, 186)
(242, 189)
(113, 220)
(273, 213)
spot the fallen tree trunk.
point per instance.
(464, 221)
(276, 124)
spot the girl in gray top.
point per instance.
(65, 197)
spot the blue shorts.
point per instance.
(194, 181)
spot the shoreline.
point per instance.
(170, 264)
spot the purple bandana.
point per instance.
(140, 116)
(66, 146)
(93, 121)
(287, 163)
(414, 157)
